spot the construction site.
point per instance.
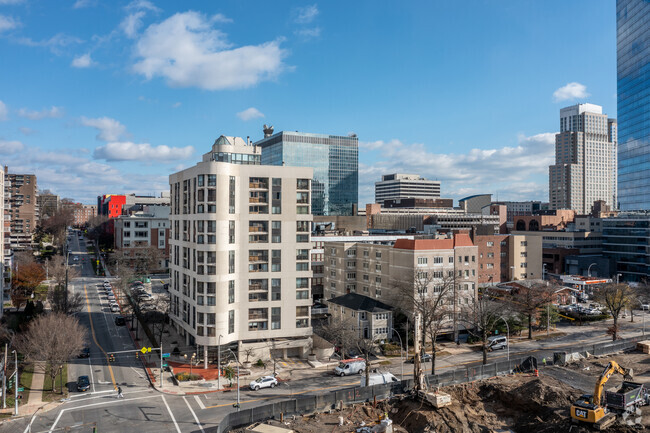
(535, 401)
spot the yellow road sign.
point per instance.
(145, 350)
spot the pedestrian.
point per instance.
(119, 392)
(544, 361)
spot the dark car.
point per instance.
(83, 384)
(424, 358)
(119, 321)
(85, 352)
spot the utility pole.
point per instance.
(16, 385)
(4, 380)
(161, 365)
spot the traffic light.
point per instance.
(137, 355)
(111, 357)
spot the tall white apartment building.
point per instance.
(240, 253)
(585, 159)
(398, 186)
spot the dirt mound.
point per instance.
(518, 404)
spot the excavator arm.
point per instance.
(611, 368)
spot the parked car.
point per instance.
(425, 357)
(378, 379)
(645, 307)
(75, 258)
(111, 296)
(497, 342)
(83, 384)
(119, 321)
(145, 297)
(263, 382)
(115, 308)
(350, 366)
(85, 352)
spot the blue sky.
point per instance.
(103, 97)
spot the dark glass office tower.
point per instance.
(633, 74)
(334, 158)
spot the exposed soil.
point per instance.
(520, 403)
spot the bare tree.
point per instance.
(53, 338)
(59, 304)
(159, 318)
(431, 296)
(616, 297)
(481, 317)
(57, 270)
(527, 299)
(342, 333)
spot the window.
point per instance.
(490, 255)
(302, 266)
(378, 254)
(212, 180)
(302, 323)
(378, 267)
(378, 280)
(302, 294)
(302, 226)
(276, 232)
(302, 283)
(523, 265)
(302, 254)
(302, 311)
(276, 260)
(302, 183)
(451, 259)
(231, 291)
(276, 318)
(276, 289)
(231, 262)
(200, 180)
(524, 254)
(231, 232)
(231, 195)
(524, 243)
(231, 321)
(423, 260)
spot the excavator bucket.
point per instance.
(629, 375)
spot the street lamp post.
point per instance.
(617, 277)
(401, 351)
(507, 336)
(219, 362)
(589, 269)
(236, 360)
(16, 384)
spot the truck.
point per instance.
(629, 396)
(378, 379)
(350, 366)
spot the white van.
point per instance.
(379, 379)
(350, 366)
(497, 342)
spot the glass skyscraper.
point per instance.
(335, 160)
(633, 74)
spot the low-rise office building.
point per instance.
(145, 232)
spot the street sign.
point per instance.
(166, 355)
(145, 350)
(165, 365)
(21, 389)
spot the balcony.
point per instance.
(258, 258)
(257, 183)
(258, 227)
(258, 239)
(258, 199)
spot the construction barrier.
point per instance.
(331, 400)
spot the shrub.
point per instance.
(184, 376)
(260, 363)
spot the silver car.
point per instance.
(263, 382)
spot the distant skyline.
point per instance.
(112, 97)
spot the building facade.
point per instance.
(240, 253)
(22, 210)
(110, 205)
(585, 166)
(372, 318)
(333, 158)
(625, 240)
(382, 271)
(633, 108)
(48, 203)
(83, 213)
(401, 186)
(142, 230)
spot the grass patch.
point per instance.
(443, 353)
(40, 293)
(551, 335)
(62, 378)
(25, 381)
(385, 363)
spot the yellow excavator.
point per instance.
(590, 408)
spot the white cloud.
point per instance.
(54, 44)
(250, 113)
(570, 91)
(10, 147)
(306, 14)
(52, 112)
(83, 61)
(186, 51)
(308, 33)
(8, 23)
(79, 4)
(132, 23)
(142, 5)
(109, 129)
(503, 170)
(220, 18)
(3, 111)
(176, 104)
(128, 151)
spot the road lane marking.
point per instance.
(92, 379)
(200, 403)
(92, 330)
(97, 404)
(172, 415)
(194, 415)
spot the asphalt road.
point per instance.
(144, 409)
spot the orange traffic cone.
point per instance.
(536, 373)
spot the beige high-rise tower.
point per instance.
(240, 254)
(585, 159)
